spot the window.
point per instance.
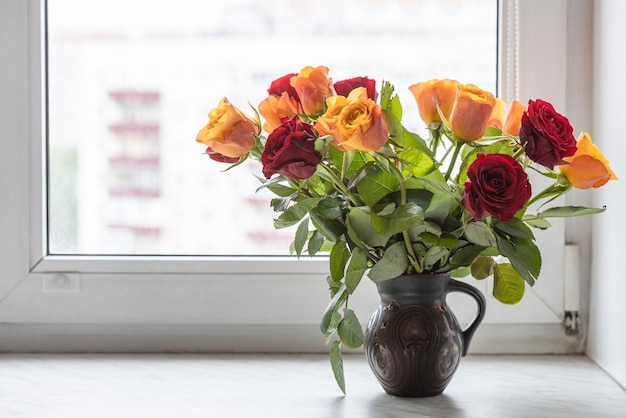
(126, 176)
(150, 302)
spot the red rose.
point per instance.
(344, 87)
(216, 156)
(281, 85)
(546, 134)
(290, 150)
(497, 185)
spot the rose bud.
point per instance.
(427, 92)
(471, 112)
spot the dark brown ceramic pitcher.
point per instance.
(413, 341)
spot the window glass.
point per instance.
(130, 83)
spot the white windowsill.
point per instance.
(294, 386)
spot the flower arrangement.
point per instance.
(384, 202)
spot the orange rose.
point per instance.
(498, 114)
(425, 93)
(327, 123)
(507, 121)
(513, 118)
(355, 122)
(274, 108)
(229, 131)
(313, 87)
(587, 167)
(471, 112)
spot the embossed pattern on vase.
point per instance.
(415, 349)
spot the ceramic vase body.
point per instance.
(413, 342)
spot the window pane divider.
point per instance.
(172, 264)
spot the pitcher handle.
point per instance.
(468, 332)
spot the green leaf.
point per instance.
(444, 199)
(389, 101)
(301, 235)
(431, 227)
(394, 263)
(569, 211)
(445, 241)
(295, 213)
(508, 285)
(398, 134)
(376, 185)
(416, 163)
(338, 299)
(536, 222)
(280, 189)
(360, 228)
(329, 228)
(350, 330)
(315, 243)
(381, 161)
(434, 255)
(359, 175)
(478, 233)
(523, 255)
(332, 329)
(333, 286)
(482, 267)
(356, 268)
(413, 140)
(354, 161)
(461, 272)
(492, 131)
(336, 363)
(339, 256)
(280, 204)
(329, 208)
(404, 217)
(466, 255)
(513, 227)
(419, 197)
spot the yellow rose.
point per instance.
(587, 167)
(274, 108)
(313, 87)
(229, 131)
(355, 122)
(471, 112)
(425, 94)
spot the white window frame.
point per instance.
(156, 303)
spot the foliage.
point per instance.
(385, 202)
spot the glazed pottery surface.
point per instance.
(413, 341)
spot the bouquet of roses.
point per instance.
(384, 202)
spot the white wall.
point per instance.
(607, 330)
